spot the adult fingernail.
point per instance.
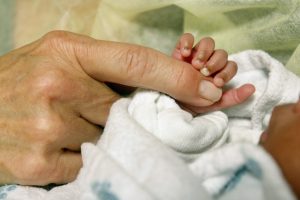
(205, 71)
(209, 91)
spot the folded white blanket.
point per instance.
(274, 86)
(177, 128)
(152, 149)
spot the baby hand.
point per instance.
(205, 58)
(214, 65)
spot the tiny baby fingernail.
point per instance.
(185, 48)
(205, 71)
(209, 91)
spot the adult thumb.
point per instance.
(139, 66)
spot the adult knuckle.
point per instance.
(47, 129)
(48, 83)
(136, 62)
(55, 36)
(179, 77)
(182, 78)
(60, 42)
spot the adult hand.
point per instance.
(53, 98)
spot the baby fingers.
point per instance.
(204, 50)
(216, 63)
(184, 47)
(186, 44)
(226, 74)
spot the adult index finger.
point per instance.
(139, 66)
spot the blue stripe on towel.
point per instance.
(250, 166)
(4, 190)
(7, 13)
(103, 191)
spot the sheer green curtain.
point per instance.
(236, 25)
(6, 25)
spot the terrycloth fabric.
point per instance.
(240, 171)
(152, 149)
(177, 128)
(274, 86)
(236, 25)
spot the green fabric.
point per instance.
(6, 25)
(294, 62)
(236, 25)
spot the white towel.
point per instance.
(139, 155)
(274, 84)
(177, 128)
(241, 171)
(154, 167)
